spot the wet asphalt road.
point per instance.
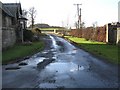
(69, 67)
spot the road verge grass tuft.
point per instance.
(19, 51)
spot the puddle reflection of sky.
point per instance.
(64, 67)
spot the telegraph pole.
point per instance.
(80, 20)
(79, 15)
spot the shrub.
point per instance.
(28, 35)
(37, 30)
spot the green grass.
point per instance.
(109, 52)
(19, 51)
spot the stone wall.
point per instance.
(8, 37)
(7, 32)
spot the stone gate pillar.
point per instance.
(107, 27)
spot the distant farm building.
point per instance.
(45, 28)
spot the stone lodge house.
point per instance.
(13, 23)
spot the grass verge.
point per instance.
(109, 52)
(19, 51)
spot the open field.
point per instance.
(109, 52)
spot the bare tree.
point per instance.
(94, 25)
(94, 37)
(24, 13)
(76, 25)
(32, 15)
(83, 25)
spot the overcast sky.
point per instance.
(63, 12)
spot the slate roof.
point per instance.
(0, 5)
(7, 11)
(22, 17)
(11, 8)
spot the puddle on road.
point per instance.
(31, 62)
(34, 61)
(22, 64)
(45, 52)
(61, 70)
(12, 68)
(66, 57)
(64, 67)
(53, 50)
(72, 52)
(77, 69)
(50, 85)
(54, 43)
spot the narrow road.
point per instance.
(61, 65)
